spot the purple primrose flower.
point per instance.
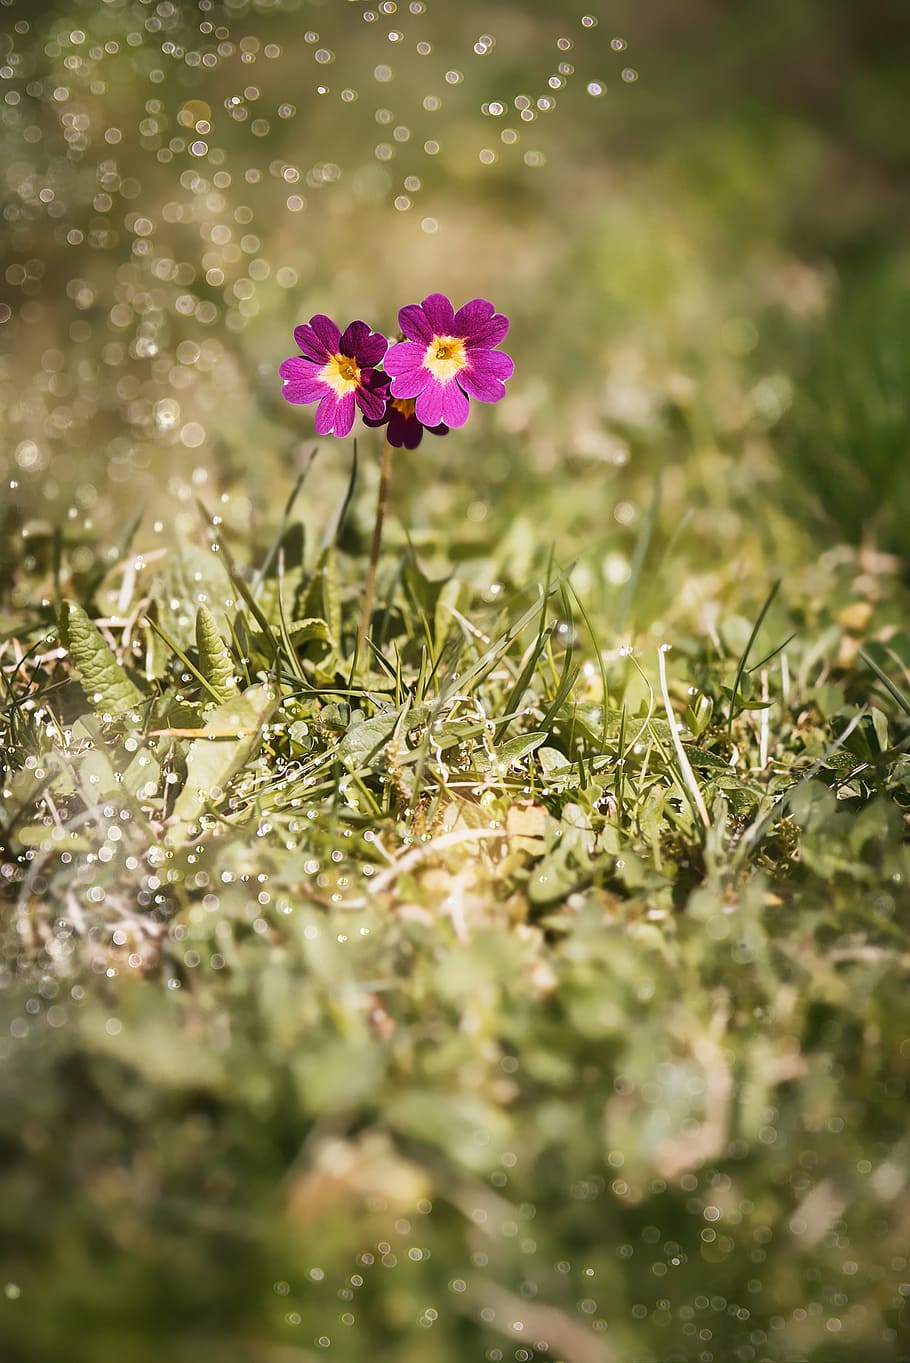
(448, 357)
(403, 430)
(337, 371)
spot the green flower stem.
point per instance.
(385, 470)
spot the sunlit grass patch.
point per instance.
(213, 701)
(514, 950)
(514, 967)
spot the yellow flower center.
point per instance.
(445, 357)
(341, 374)
(406, 406)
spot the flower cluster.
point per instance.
(443, 358)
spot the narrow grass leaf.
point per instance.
(685, 767)
(745, 656)
(893, 690)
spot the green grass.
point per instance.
(390, 1001)
(852, 375)
(533, 985)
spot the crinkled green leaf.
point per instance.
(141, 778)
(306, 631)
(107, 687)
(233, 733)
(215, 661)
(287, 587)
(320, 599)
(552, 760)
(701, 757)
(512, 752)
(193, 577)
(103, 768)
(367, 739)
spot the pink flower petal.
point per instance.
(428, 408)
(372, 404)
(376, 382)
(403, 357)
(298, 368)
(472, 317)
(413, 382)
(344, 415)
(496, 363)
(489, 333)
(455, 406)
(301, 381)
(310, 344)
(365, 346)
(439, 313)
(302, 392)
(327, 332)
(325, 414)
(405, 432)
(414, 324)
(484, 387)
(371, 350)
(352, 338)
(413, 434)
(374, 421)
(486, 374)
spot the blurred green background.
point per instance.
(699, 231)
(695, 215)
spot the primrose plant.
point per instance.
(423, 382)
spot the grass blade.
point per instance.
(745, 656)
(894, 691)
